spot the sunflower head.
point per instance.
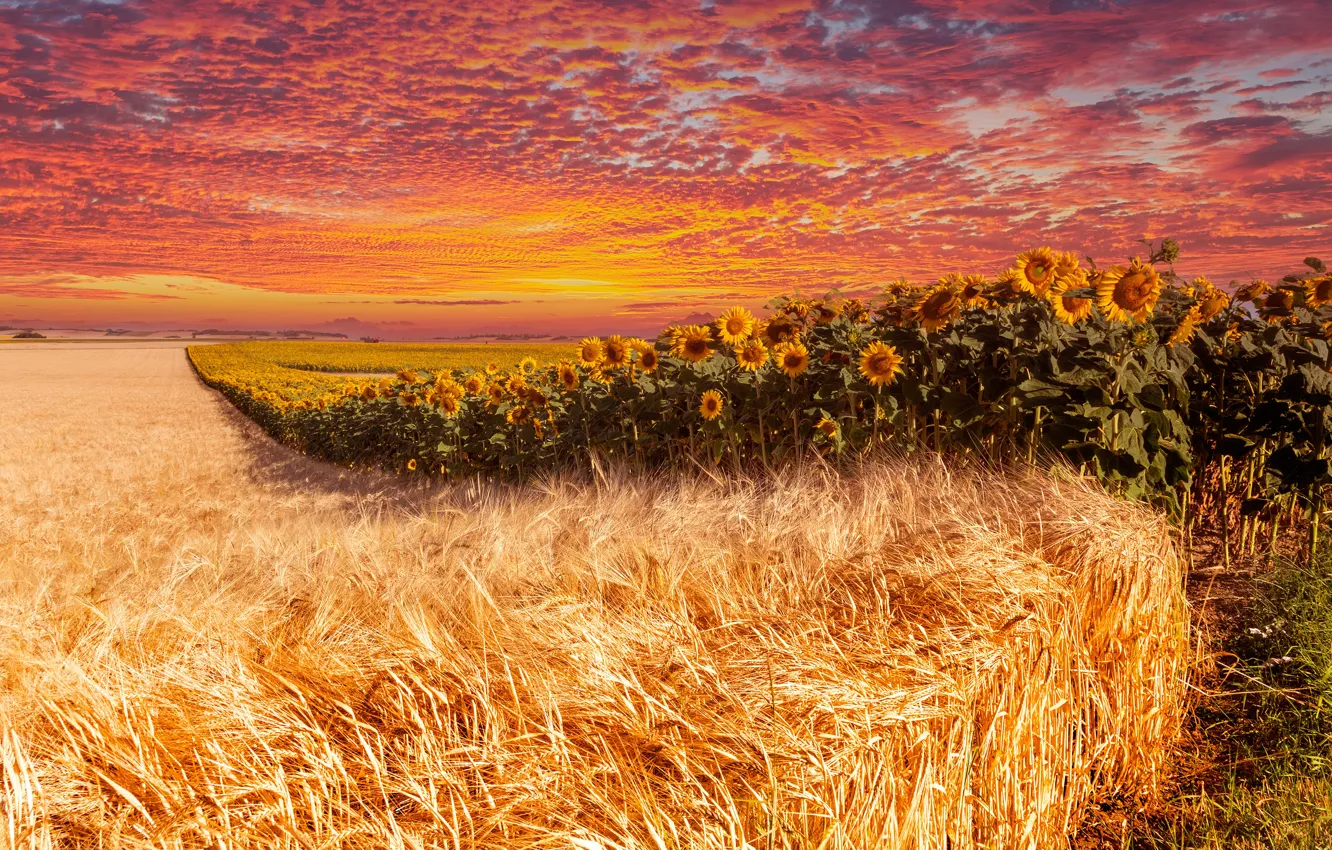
(735, 325)
(409, 398)
(408, 376)
(824, 313)
(694, 343)
(449, 405)
(1188, 324)
(1252, 291)
(369, 393)
(710, 405)
(1318, 291)
(826, 427)
(516, 383)
(792, 358)
(411, 465)
(445, 385)
(518, 414)
(647, 358)
(1213, 302)
(535, 396)
(751, 356)
(590, 352)
(568, 376)
(496, 393)
(938, 307)
(779, 330)
(880, 364)
(1005, 288)
(1278, 305)
(615, 353)
(855, 310)
(527, 366)
(1128, 294)
(973, 292)
(1036, 270)
(1067, 308)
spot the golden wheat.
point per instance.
(206, 640)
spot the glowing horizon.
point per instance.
(566, 166)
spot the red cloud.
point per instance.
(747, 146)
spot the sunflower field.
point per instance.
(1204, 400)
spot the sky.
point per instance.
(419, 167)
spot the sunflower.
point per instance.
(824, 313)
(938, 307)
(369, 393)
(1278, 305)
(735, 325)
(411, 465)
(409, 399)
(516, 383)
(973, 291)
(496, 393)
(535, 396)
(518, 414)
(777, 331)
(1070, 309)
(1251, 291)
(1128, 294)
(568, 376)
(475, 383)
(1005, 288)
(590, 352)
(492, 368)
(855, 310)
(1183, 332)
(752, 356)
(407, 376)
(710, 405)
(615, 353)
(1213, 302)
(527, 366)
(647, 358)
(447, 386)
(897, 289)
(1066, 263)
(792, 357)
(694, 344)
(449, 404)
(1035, 270)
(827, 427)
(1318, 291)
(880, 364)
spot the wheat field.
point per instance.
(208, 641)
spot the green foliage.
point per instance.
(1153, 389)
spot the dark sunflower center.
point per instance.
(938, 305)
(1039, 272)
(735, 326)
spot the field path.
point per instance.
(118, 457)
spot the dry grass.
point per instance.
(206, 641)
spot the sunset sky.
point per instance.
(428, 167)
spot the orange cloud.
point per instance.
(604, 154)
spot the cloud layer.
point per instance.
(492, 151)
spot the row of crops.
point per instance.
(1170, 390)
